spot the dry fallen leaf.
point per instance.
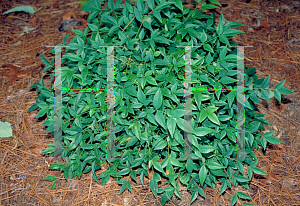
(264, 23)
(14, 73)
(69, 15)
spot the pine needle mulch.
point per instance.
(271, 27)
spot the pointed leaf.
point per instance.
(157, 100)
(154, 187)
(202, 174)
(178, 4)
(213, 117)
(202, 131)
(150, 4)
(171, 124)
(258, 171)
(160, 118)
(141, 96)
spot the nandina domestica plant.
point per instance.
(149, 43)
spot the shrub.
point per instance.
(149, 116)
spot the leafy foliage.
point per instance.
(149, 41)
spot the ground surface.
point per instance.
(275, 39)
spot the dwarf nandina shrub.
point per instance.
(149, 110)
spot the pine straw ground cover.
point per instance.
(275, 39)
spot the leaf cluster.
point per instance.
(149, 42)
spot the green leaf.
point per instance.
(232, 32)
(132, 141)
(150, 4)
(206, 149)
(208, 58)
(277, 95)
(265, 94)
(163, 5)
(124, 171)
(123, 187)
(162, 40)
(209, 6)
(219, 28)
(279, 85)
(202, 174)
(142, 34)
(250, 173)
(216, 2)
(157, 100)
(243, 195)
(158, 167)
(27, 9)
(50, 178)
(161, 144)
(194, 197)
(203, 37)
(164, 198)
(110, 20)
(157, 15)
(141, 96)
(266, 82)
(213, 117)
(88, 7)
(178, 4)
(160, 118)
(93, 27)
(214, 165)
(171, 124)
(268, 134)
(73, 57)
(182, 124)
(151, 118)
(44, 60)
(175, 162)
(202, 131)
(53, 185)
(110, 4)
(272, 140)
(207, 47)
(88, 146)
(161, 62)
(154, 187)
(223, 187)
(5, 129)
(203, 115)
(284, 91)
(42, 112)
(190, 166)
(151, 80)
(227, 80)
(258, 171)
(224, 39)
(138, 14)
(242, 178)
(234, 199)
